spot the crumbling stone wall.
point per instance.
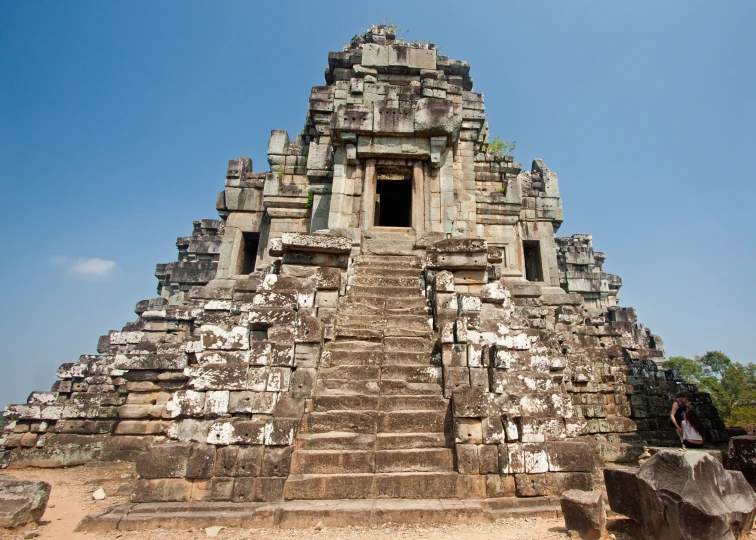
(581, 270)
(541, 384)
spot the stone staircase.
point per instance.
(379, 426)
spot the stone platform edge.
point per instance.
(306, 514)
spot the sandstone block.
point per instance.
(237, 431)
(468, 430)
(584, 513)
(500, 486)
(276, 461)
(569, 456)
(316, 242)
(224, 337)
(21, 501)
(471, 402)
(176, 460)
(218, 377)
(488, 457)
(236, 461)
(252, 402)
(162, 490)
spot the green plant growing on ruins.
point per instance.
(497, 147)
(732, 385)
(389, 23)
(309, 199)
(401, 34)
(280, 172)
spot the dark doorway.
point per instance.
(250, 242)
(393, 198)
(532, 251)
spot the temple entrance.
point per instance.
(250, 243)
(532, 252)
(393, 197)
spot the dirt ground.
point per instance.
(71, 499)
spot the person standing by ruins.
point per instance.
(692, 429)
(679, 408)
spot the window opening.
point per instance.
(533, 270)
(250, 242)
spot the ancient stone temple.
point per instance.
(385, 313)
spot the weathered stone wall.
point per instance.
(581, 270)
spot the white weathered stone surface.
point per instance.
(316, 242)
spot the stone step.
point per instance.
(397, 358)
(346, 387)
(412, 403)
(350, 421)
(382, 320)
(373, 280)
(412, 374)
(360, 291)
(367, 333)
(425, 333)
(342, 461)
(521, 507)
(354, 306)
(395, 260)
(328, 486)
(378, 403)
(408, 344)
(368, 513)
(342, 333)
(350, 358)
(336, 440)
(375, 304)
(345, 403)
(402, 388)
(396, 441)
(354, 347)
(414, 460)
(388, 271)
(408, 485)
(387, 261)
(412, 421)
(370, 421)
(332, 461)
(332, 358)
(355, 373)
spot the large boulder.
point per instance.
(21, 501)
(683, 495)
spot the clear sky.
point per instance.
(117, 120)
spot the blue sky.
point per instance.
(117, 121)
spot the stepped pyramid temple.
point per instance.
(385, 313)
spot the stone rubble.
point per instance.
(584, 513)
(298, 349)
(21, 501)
